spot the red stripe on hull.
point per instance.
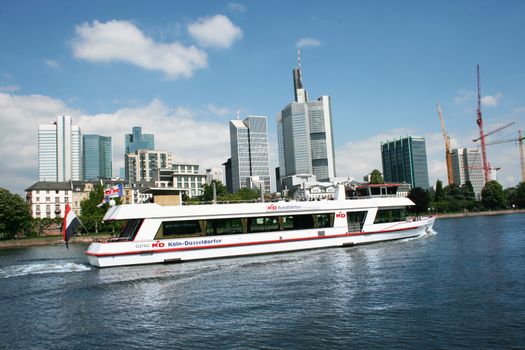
(231, 245)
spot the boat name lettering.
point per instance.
(204, 241)
(340, 215)
(273, 207)
(157, 245)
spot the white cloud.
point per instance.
(236, 7)
(519, 110)
(52, 63)
(464, 96)
(177, 130)
(217, 31)
(491, 101)
(218, 110)
(9, 88)
(308, 42)
(122, 41)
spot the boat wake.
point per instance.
(37, 269)
(429, 232)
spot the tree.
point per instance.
(440, 194)
(15, 215)
(246, 194)
(376, 177)
(492, 196)
(468, 191)
(420, 198)
(220, 190)
(516, 196)
(92, 215)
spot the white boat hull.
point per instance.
(196, 248)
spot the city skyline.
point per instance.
(182, 70)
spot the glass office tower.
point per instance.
(97, 154)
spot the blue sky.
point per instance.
(181, 69)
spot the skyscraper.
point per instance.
(249, 153)
(142, 165)
(97, 154)
(467, 166)
(137, 140)
(304, 135)
(59, 151)
(405, 160)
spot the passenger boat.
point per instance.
(166, 234)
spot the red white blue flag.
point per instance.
(114, 191)
(70, 224)
(111, 192)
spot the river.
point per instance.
(461, 287)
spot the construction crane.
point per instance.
(448, 156)
(495, 131)
(520, 142)
(479, 121)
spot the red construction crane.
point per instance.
(495, 131)
(520, 142)
(479, 121)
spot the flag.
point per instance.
(70, 224)
(114, 191)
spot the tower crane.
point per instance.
(494, 131)
(520, 143)
(448, 156)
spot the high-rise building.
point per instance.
(59, 151)
(405, 160)
(143, 164)
(467, 166)
(97, 154)
(137, 140)
(304, 135)
(249, 153)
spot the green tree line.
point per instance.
(454, 198)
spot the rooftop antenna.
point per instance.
(238, 114)
(299, 63)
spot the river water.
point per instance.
(462, 287)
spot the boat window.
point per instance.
(263, 224)
(324, 220)
(223, 226)
(177, 229)
(355, 220)
(130, 229)
(390, 215)
(298, 222)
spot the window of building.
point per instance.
(48, 199)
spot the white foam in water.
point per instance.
(35, 269)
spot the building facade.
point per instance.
(97, 157)
(59, 151)
(182, 177)
(305, 136)
(405, 160)
(467, 166)
(250, 161)
(142, 165)
(137, 141)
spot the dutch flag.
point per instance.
(70, 224)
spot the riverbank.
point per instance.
(480, 213)
(50, 240)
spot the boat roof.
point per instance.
(152, 210)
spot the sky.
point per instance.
(182, 69)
